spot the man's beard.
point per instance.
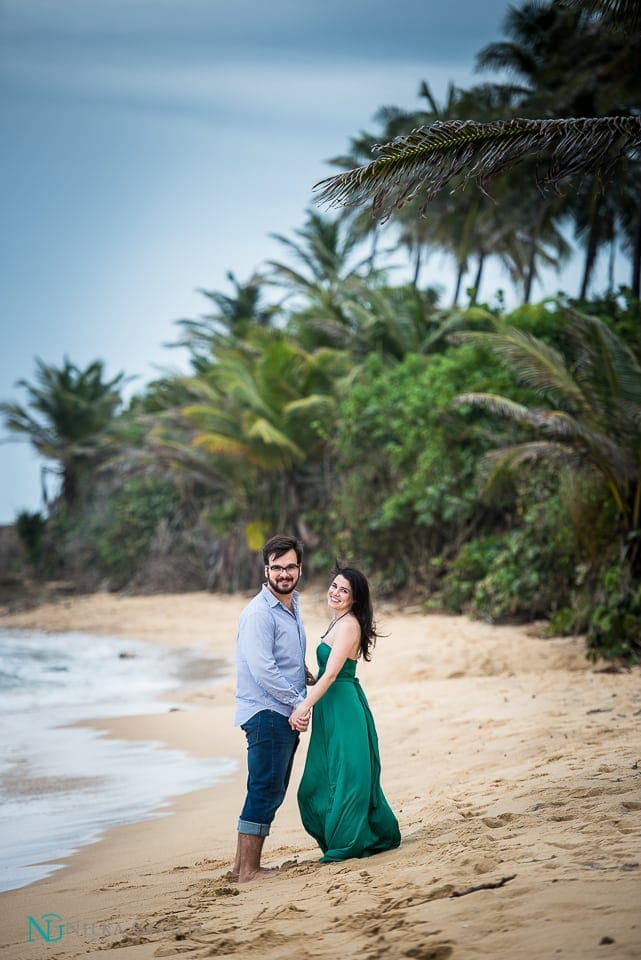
(285, 588)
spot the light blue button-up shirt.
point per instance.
(270, 657)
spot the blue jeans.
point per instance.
(271, 745)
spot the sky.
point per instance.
(151, 146)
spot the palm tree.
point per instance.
(325, 261)
(325, 252)
(426, 161)
(360, 224)
(623, 14)
(231, 321)
(67, 417)
(594, 422)
(391, 321)
(569, 68)
(595, 219)
(450, 153)
(254, 422)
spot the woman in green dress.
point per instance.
(340, 798)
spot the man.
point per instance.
(270, 660)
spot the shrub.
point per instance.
(134, 516)
(31, 530)
(614, 631)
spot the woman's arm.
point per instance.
(346, 638)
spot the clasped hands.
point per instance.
(299, 719)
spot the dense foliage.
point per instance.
(474, 460)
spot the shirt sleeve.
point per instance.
(256, 645)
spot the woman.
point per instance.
(340, 797)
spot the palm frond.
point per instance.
(217, 443)
(560, 427)
(495, 404)
(426, 161)
(623, 13)
(521, 453)
(497, 463)
(314, 403)
(537, 364)
(271, 436)
(600, 349)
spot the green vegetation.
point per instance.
(476, 460)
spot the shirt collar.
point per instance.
(273, 601)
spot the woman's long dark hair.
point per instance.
(362, 607)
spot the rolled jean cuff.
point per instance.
(255, 829)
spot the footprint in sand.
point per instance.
(439, 951)
(207, 890)
(495, 823)
(287, 911)
(208, 864)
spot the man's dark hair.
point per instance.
(278, 545)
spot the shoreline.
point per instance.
(65, 778)
(512, 764)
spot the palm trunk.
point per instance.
(374, 247)
(477, 280)
(611, 260)
(417, 265)
(530, 272)
(69, 485)
(43, 486)
(636, 259)
(462, 267)
(590, 258)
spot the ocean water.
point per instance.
(62, 786)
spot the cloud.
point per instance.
(263, 93)
(213, 60)
(406, 29)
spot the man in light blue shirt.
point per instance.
(270, 661)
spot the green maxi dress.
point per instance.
(340, 798)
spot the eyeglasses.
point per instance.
(290, 568)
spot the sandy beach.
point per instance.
(512, 762)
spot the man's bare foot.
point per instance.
(263, 873)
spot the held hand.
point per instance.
(299, 719)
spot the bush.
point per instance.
(526, 571)
(614, 632)
(472, 563)
(405, 462)
(522, 584)
(31, 530)
(134, 517)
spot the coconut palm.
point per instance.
(423, 163)
(324, 254)
(415, 168)
(593, 419)
(622, 13)
(392, 321)
(66, 418)
(568, 66)
(231, 321)
(325, 260)
(254, 422)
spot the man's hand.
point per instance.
(299, 720)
